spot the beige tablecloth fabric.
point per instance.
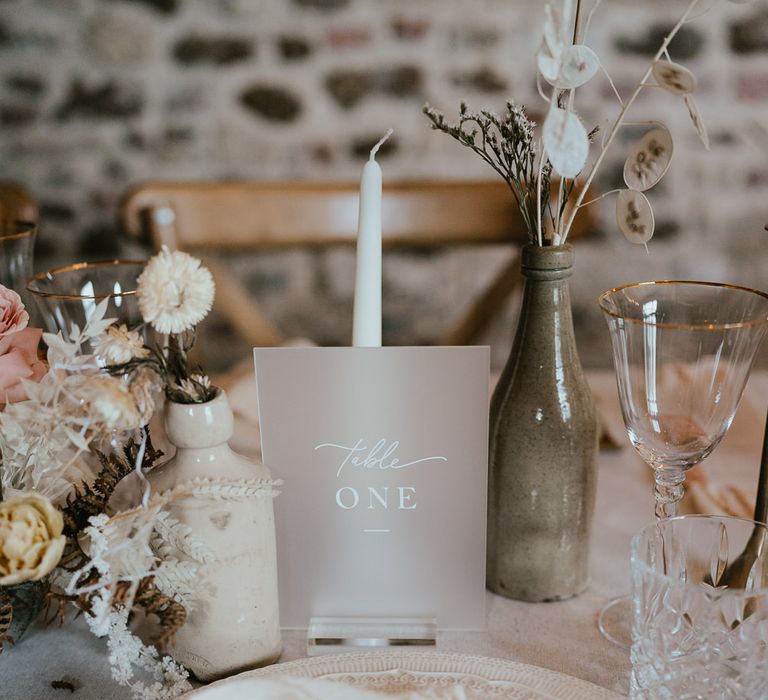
(560, 636)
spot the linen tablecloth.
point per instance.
(561, 636)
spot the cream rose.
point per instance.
(31, 542)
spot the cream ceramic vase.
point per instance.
(235, 625)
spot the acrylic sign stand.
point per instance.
(381, 519)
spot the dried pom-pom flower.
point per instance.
(566, 142)
(674, 77)
(175, 292)
(634, 216)
(649, 159)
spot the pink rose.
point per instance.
(18, 348)
(13, 316)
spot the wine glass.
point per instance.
(17, 245)
(682, 353)
(67, 295)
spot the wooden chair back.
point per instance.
(16, 204)
(207, 216)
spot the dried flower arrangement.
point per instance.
(510, 145)
(175, 293)
(68, 437)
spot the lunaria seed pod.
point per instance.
(578, 65)
(570, 68)
(566, 142)
(634, 216)
(649, 159)
(698, 123)
(674, 77)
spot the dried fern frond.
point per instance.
(90, 500)
(6, 618)
(171, 614)
(170, 535)
(179, 580)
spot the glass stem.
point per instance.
(669, 490)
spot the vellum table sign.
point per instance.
(384, 453)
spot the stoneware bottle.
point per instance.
(543, 445)
(235, 625)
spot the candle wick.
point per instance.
(376, 148)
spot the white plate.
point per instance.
(400, 672)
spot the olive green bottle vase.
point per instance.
(543, 445)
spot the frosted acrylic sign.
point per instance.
(383, 452)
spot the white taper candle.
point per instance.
(366, 327)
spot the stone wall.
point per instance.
(98, 94)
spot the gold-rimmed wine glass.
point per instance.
(17, 246)
(682, 352)
(69, 294)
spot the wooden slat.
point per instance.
(208, 216)
(241, 310)
(232, 300)
(16, 204)
(232, 215)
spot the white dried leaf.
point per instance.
(549, 66)
(566, 142)
(98, 313)
(566, 13)
(39, 392)
(674, 77)
(77, 439)
(55, 341)
(649, 159)
(121, 544)
(96, 323)
(698, 123)
(557, 27)
(552, 31)
(96, 328)
(634, 216)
